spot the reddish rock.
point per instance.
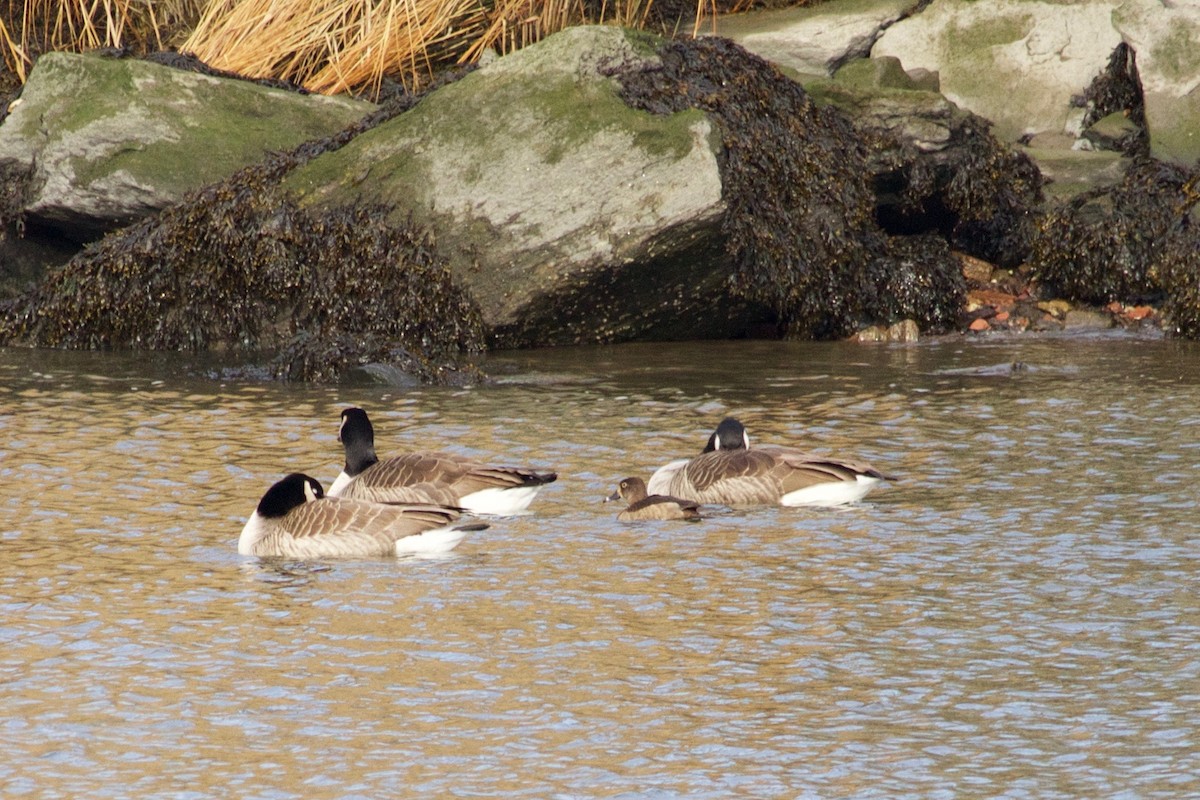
(980, 325)
(1001, 317)
(991, 297)
(1139, 312)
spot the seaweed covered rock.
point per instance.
(1114, 244)
(96, 143)
(935, 168)
(239, 266)
(1164, 36)
(1180, 266)
(921, 280)
(1116, 92)
(800, 223)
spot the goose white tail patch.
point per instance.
(501, 502)
(832, 493)
(431, 542)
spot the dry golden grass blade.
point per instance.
(78, 25)
(628, 14)
(15, 57)
(706, 10)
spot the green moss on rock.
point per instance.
(489, 118)
(90, 122)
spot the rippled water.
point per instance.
(1017, 617)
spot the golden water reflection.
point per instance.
(1016, 617)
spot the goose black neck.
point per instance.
(359, 456)
(358, 437)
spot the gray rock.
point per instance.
(552, 199)
(1070, 172)
(984, 51)
(1052, 51)
(1111, 132)
(815, 40)
(880, 94)
(903, 331)
(1084, 319)
(112, 140)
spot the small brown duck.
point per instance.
(655, 506)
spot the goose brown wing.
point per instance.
(340, 527)
(440, 478)
(478, 477)
(728, 476)
(798, 469)
(334, 527)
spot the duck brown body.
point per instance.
(643, 506)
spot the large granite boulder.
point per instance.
(102, 142)
(815, 40)
(559, 206)
(1022, 64)
(982, 51)
(1053, 51)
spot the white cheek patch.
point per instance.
(745, 440)
(309, 493)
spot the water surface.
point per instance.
(1017, 616)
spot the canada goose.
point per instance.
(655, 506)
(729, 471)
(442, 478)
(295, 519)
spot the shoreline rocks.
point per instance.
(607, 186)
(102, 142)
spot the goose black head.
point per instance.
(729, 435)
(287, 493)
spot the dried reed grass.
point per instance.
(332, 46)
(36, 26)
(327, 46)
